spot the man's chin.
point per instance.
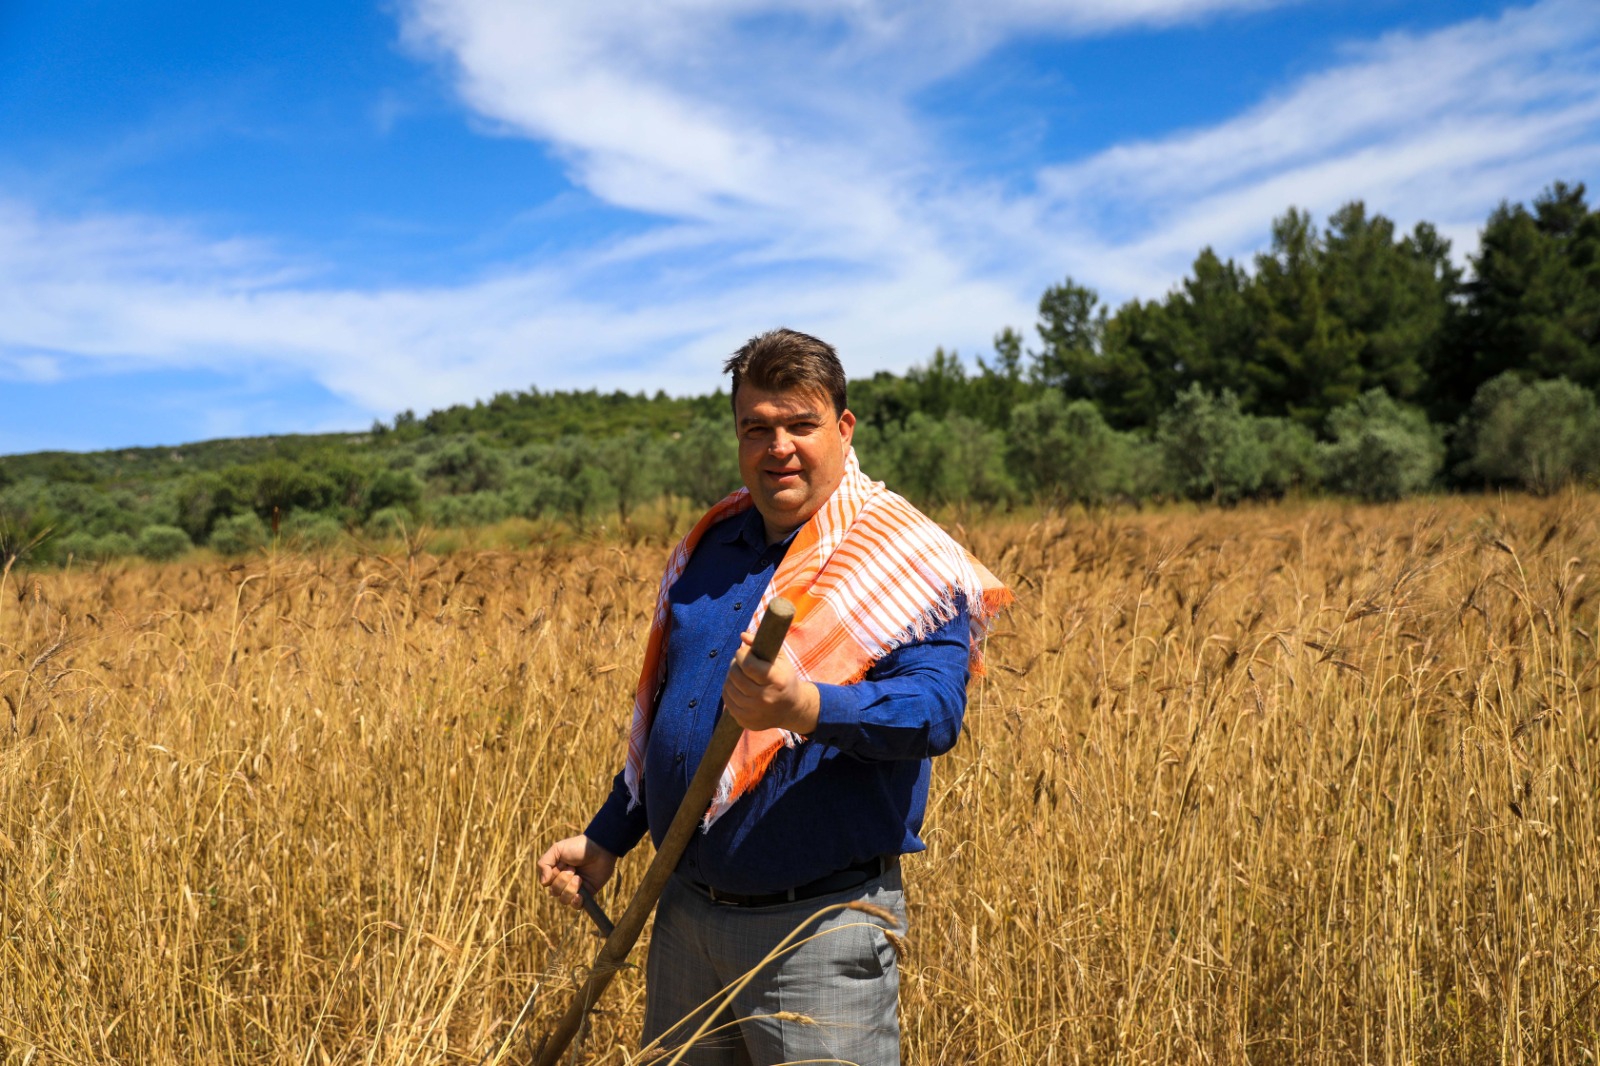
(791, 495)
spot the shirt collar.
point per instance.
(752, 530)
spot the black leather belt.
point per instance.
(838, 881)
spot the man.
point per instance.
(829, 783)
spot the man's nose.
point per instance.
(782, 444)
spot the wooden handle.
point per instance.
(768, 642)
(773, 628)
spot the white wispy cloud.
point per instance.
(783, 174)
(1438, 127)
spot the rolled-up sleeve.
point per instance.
(908, 706)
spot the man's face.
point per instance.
(791, 452)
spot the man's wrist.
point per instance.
(810, 710)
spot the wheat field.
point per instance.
(1294, 783)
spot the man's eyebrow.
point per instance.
(798, 416)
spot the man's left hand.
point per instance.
(763, 695)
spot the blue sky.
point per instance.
(228, 219)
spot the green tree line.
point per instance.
(1348, 358)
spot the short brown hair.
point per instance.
(782, 360)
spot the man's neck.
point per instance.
(776, 533)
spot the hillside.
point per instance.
(1351, 359)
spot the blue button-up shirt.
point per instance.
(856, 790)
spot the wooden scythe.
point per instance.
(768, 642)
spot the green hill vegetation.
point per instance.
(1349, 358)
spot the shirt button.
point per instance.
(677, 760)
(737, 606)
(694, 703)
(713, 654)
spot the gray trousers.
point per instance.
(833, 999)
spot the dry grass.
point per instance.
(1298, 784)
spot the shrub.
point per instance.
(704, 461)
(635, 470)
(1380, 449)
(943, 460)
(115, 546)
(1064, 450)
(1142, 470)
(535, 491)
(390, 522)
(591, 492)
(162, 542)
(86, 508)
(472, 509)
(84, 546)
(393, 488)
(239, 533)
(978, 454)
(466, 466)
(202, 500)
(1292, 459)
(1538, 436)
(570, 477)
(282, 487)
(1213, 450)
(27, 519)
(307, 529)
(78, 545)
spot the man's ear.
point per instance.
(847, 426)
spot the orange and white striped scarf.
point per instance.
(866, 574)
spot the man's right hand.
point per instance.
(572, 859)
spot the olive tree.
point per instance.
(1537, 435)
(1381, 449)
